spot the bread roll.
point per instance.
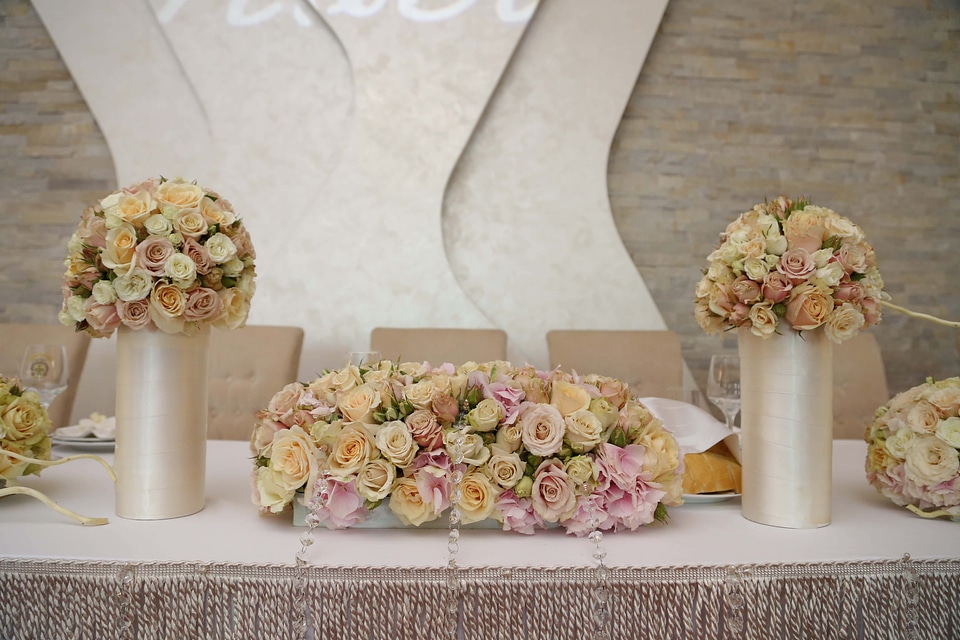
(712, 471)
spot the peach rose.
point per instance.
(776, 287)
(200, 256)
(235, 307)
(946, 400)
(375, 479)
(214, 213)
(129, 207)
(797, 264)
(153, 253)
(167, 302)
(352, 450)
(294, 455)
(189, 223)
(120, 249)
(396, 443)
(804, 228)
(505, 468)
(745, 290)
(102, 318)
(425, 429)
(477, 497)
(809, 307)
(23, 420)
(408, 505)
(202, 304)
(844, 323)
(923, 418)
(420, 394)
(134, 314)
(568, 397)
(359, 403)
(179, 194)
(613, 390)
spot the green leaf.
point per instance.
(660, 514)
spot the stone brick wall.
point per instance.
(855, 106)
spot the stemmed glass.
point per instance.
(363, 358)
(723, 385)
(44, 370)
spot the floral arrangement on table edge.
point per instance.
(540, 447)
(793, 262)
(24, 425)
(912, 453)
(166, 253)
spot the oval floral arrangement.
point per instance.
(913, 457)
(795, 263)
(24, 424)
(163, 252)
(540, 447)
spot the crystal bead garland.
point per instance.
(911, 597)
(601, 594)
(453, 538)
(317, 501)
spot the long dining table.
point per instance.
(877, 571)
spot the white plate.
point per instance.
(89, 444)
(705, 498)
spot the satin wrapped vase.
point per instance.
(161, 423)
(786, 388)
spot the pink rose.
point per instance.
(102, 318)
(850, 292)
(853, 258)
(808, 308)
(446, 407)
(92, 230)
(436, 458)
(745, 290)
(517, 514)
(153, 253)
(541, 428)
(776, 287)
(552, 493)
(797, 264)
(871, 311)
(287, 399)
(425, 429)
(134, 314)
(240, 236)
(739, 314)
(344, 506)
(199, 254)
(202, 304)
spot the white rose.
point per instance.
(75, 307)
(821, 257)
(755, 269)
(949, 431)
(583, 430)
(837, 225)
(830, 274)
(220, 247)
(181, 269)
(777, 245)
(899, 443)
(581, 472)
(375, 479)
(923, 417)
(175, 238)
(763, 319)
(232, 267)
(843, 323)
(158, 225)
(931, 461)
(104, 293)
(485, 416)
(505, 468)
(396, 443)
(133, 285)
(247, 284)
(273, 495)
(473, 450)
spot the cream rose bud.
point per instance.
(923, 417)
(396, 443)
(104, 293)
(133, 285)
(175, 238)
(542, 428)
(181, 269)
(505, 467)
(949, 431)
(485, 416)
(582, 472)
(158, 225)
(273, 495)
(247, 284)
(220, 247)
(510, 436)
(474, 451)
(375, 479)
(294, 455)
(583, 430)
(75, 244)
(76, 309)
(64, 317)
(407, 503)
(359, 403)
(524, 488)
(232, 267)
(477, 497)
(351, 452)
(931, 461)
(900, 442)
(568, 397)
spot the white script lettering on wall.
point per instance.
(248, 13)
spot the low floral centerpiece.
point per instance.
(539, 448)
(913, 453)
(159, 262)
(24, 427)
(791, 264)
(166, 253)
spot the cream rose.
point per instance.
(830, 274)
(158, 225)
(220, 247)
(477, 497)
(568, 397)
(396, 443)
(104, 293)
(946, 400)
(542, 428)
(583, 430)
(661, 452)
(359, 403)
(837, 225)
(22, 420)
(949, 431)
(844, 323)
(581, 472)
(923, 417)
(485, 416)
(167, 302)
(900, 442)
(273, 495)
(510, 436)
(179, 194)
(407, 503)
(420, 394)
(931, 461)
(134, 285)
(294, 455)
(763, 319)
(346, 378)
(375, 479)
(189, 223)
(351, 452)
(505, 467)
(181, 269)
(120, 249)
(232, 267)
(474, 451)
(236, 306)
(606, 413)
(756, 269)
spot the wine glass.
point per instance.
(363, 358)
(44, 370)
(723, 385)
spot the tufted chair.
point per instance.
(15, 337)
(649, 361)
(437, 346)
(247, 367)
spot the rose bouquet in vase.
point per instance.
(792, 278)
(160, 261)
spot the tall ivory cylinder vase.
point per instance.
(786, 390)
(161, 432)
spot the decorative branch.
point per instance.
(921, 316)
(53, 463)
(930, 514)
(84, 520)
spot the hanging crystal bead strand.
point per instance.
(601, 593)
(318, 499)
(453, 537)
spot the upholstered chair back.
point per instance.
(859, 385)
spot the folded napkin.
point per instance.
(96, 426)
(694, 428)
